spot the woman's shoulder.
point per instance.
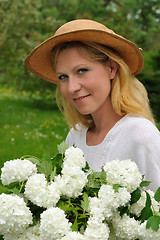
(141, 129)
(140, 123)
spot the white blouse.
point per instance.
(132, 137)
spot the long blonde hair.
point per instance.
(128, 95)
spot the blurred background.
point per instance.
(30, 122)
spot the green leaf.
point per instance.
(93, 184)
(62, 147)
(4, 189)
(74, 226)
(123, 210)
(46, 157)
(57, 162)
(46, 168)
(64, 206)
(15, 190)
(153, 222)
(144, 184)
(85, 201)
(53, 174)
(135, 196)
(98, 175)
(87, 167)
(147, 211)
(148, 200)
(33, 159)
(157, 195)
(116, 187)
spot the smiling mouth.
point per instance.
(80, 98)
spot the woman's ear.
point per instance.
(114, 67)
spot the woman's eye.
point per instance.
(82, 70)
(62, 77)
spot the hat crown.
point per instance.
(38, 61)
(82, 25)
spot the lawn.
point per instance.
(28, 126)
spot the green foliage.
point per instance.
(147, 211)
(135, 196)
(28, 129)
(153, 222)
(157, 195)
(150, 77)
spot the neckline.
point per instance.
(112, 132)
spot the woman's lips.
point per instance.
(80, 99)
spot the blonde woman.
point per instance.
(105, 105)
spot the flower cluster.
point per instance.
(15, 216)
(58, 199)
(17, 170)
(123, 173)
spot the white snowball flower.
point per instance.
(96, 230)
(96, 208)
(149, 234)
(17, 170)
(74, 156)
(72, 181)
(15, 216)
(41, 193)
(71, 171)
(127, 228)
(73, 236)
(53, 224)
(123, 172)
(111, 200)
(31, 233)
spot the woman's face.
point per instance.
(85, 83)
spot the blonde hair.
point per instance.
(128, 95)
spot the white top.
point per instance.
(132, 137)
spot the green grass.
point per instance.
(28, 127)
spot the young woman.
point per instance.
(102, 100)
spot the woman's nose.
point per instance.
(74, 85)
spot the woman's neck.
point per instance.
(104, 121)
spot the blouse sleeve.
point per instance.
(143, 145)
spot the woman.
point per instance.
(103, 102)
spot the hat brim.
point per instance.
(38, 61)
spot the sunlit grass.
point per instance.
(26, 129)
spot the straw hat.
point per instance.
(38, 61)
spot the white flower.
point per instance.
(17, 170)
(31, 233)
(96, 230)
(54, 224)
(127, 228)
(124, 172)
(74, 156)
(96, 208)
(38, 191)
(72, 181)
(149, 234)
(73, 236)
(15, 216)
(111, 200)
